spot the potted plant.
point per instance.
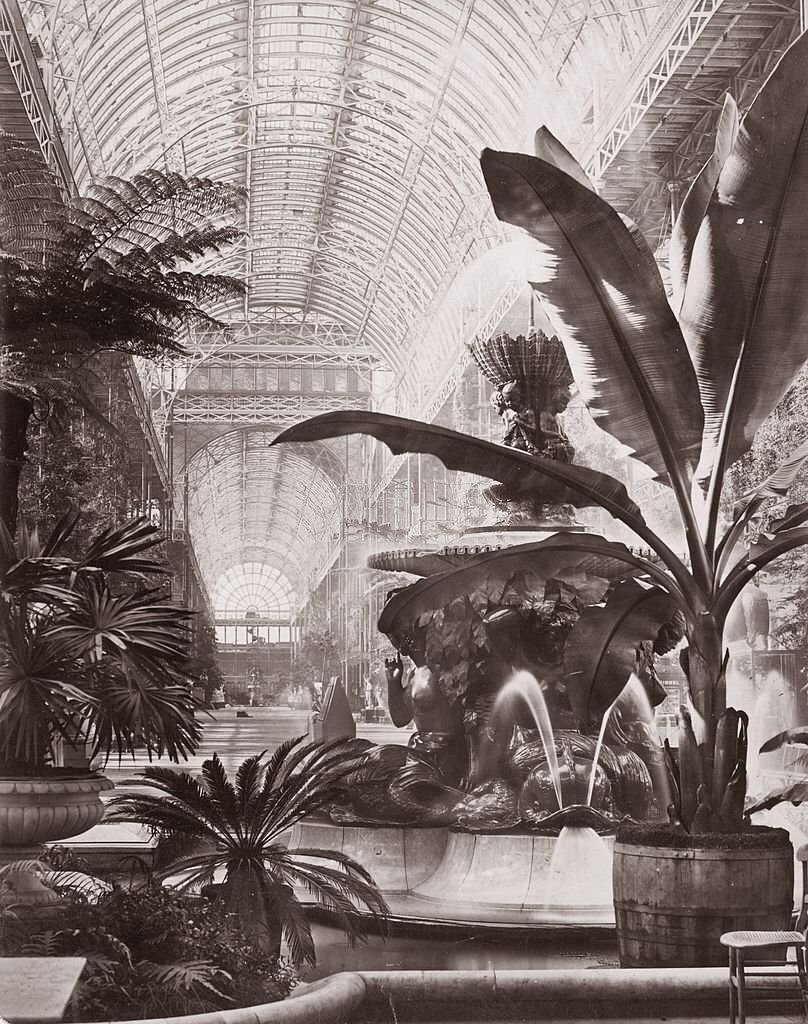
(233, 831)
(88, 655)
(684, 385)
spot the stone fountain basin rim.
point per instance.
(415, 826)
(332, 999)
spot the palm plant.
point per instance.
(107, 271)
(685, 395)
(236, 827)
(80, 661)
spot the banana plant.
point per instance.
(685, 391)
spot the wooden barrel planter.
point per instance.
(675, 894)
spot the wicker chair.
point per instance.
(740, 943)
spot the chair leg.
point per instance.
(733, 1001)
(739, 959)
(803, 976)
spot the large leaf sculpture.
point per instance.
(544, 560)
(601, 652)
(745, 308)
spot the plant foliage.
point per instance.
(151, 952)
(685, 396)
(111, 270)
(80, 661)
(235, 829)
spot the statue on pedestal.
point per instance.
(532, 379)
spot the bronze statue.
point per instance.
(414, 695)
(532, 379)
(528, 432)
(519, 419)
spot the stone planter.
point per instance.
(36, 810)
(675, 895)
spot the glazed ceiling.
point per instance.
(355, 127)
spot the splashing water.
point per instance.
(599, 745)
(635, 709)
(580, 868)
(524, 685)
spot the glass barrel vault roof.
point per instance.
(355, 127)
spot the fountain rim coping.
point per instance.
(454, 829)
(329, 999)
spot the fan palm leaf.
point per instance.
(37, 701)
(119, 548)
(150, 633)
(142, 711)
(72, 650)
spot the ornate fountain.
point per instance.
(503, 805)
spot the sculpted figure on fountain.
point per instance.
(414, 695)
(532, 380)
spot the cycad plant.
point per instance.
(109, 271)
(684, 390)
(84, 660)
(236, 828)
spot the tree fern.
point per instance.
(109, 271)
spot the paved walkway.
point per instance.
(236, 738)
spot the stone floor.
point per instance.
(236, 738)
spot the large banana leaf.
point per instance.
(697, 200)
(794, 515)
(745, 309)
(544, 560)
(601, 289)
(526, 475)
(765, 551)
(776, 485)
(547, 147)
(601, 651)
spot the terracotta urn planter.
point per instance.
(675, 893)
(43, 809)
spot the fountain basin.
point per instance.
(450, 875)
(399, 858)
